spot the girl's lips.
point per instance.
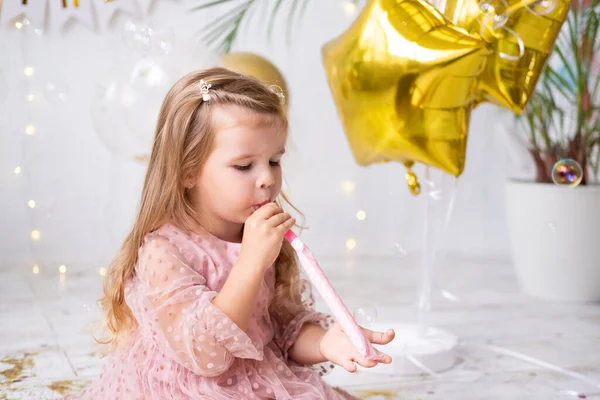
(257, 206)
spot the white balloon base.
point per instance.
(412, 354)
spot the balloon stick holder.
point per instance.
(420, 348)
(414, 353)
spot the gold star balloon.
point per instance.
(522, 34)
(404, 80)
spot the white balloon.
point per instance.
(126, 105)
(136, 36)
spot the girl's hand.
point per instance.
(336, 347)
(264, 231)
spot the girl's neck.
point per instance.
(223, 230)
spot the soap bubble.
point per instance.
(365, 315)
(567, 172)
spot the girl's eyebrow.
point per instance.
(244, 156)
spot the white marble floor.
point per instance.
(46, 349)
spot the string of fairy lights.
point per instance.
(30, 131)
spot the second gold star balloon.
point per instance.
(404, 80)
(522, 34)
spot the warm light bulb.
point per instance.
(102, 271)
(350, 244)
(30, 129)
(62, 269)
(29, 71)
(361, 215)
(350, 7)
(17, 170)
(18, 24)
(31, 97)
(348, 186)
(36, 269)
(35, 234)
(31, 203)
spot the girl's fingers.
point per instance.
(289, 223)
(278, 219)
(364, 362)
(385, 358)
(286, 225)
(349, 366)
(379, 337)
(268, 210)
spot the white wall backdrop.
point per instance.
(86, 195)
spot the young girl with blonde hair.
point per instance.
(204, 299)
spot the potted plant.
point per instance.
(554, 222)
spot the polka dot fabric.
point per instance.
(186, 348)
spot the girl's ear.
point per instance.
(187, 182)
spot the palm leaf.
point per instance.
(272, 18)
(222, 32)
(290, 20)
(578, 84)
(210, 4)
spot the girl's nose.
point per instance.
(266, 180)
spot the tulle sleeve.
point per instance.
(289, 317)
(178, 303)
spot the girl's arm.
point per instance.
(173, 300)
(305, 350)
(237, 297)
(316, 345)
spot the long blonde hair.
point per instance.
(183, 141)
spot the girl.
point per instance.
(204, 300)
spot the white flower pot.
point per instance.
(554, 235)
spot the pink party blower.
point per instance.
(332, 299)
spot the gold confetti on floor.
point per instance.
(18, 381)
(19, 364)
(388, 394)
(68, 386)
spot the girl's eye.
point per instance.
(247, 167)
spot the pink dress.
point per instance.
(186, 348)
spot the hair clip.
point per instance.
(279, 92)
(204, 90)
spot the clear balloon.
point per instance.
(124, 111)
(148, 74)
(365, 315)
(127, 102)
(399, 250)
(136, 36)
(162, 38)
(56, 92)
(30, 30)
(567, 172)
(148, 38)
(433, 190)
(495, 13)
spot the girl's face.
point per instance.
(242, 172)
